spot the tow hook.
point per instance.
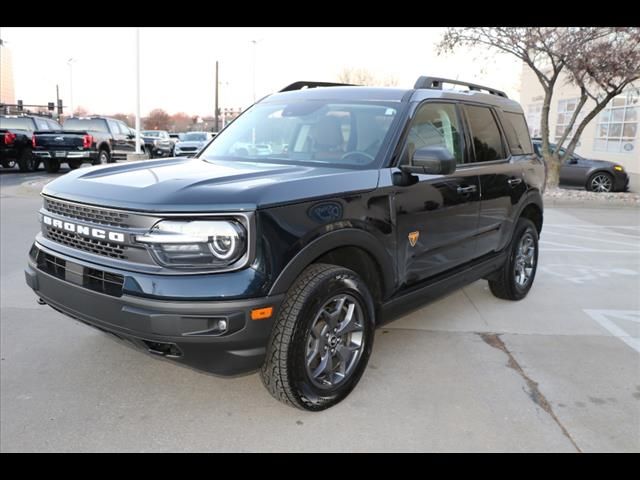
(41, 301)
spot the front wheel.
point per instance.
(513, 281)
(321, 340)
(600, 182)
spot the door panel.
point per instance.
(572, 173)
(501, 181)
(445, 218)
(437, 216)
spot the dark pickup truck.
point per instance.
(316, 216)
(97, 140)
(16, 139)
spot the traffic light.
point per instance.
(20, 105)
(50, 106)
(59, 106)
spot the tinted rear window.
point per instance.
(517, 133)
(487, 141)
(89, 124)
(20, 123)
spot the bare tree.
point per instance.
(356, 76)
(80, 112)
(180, 122)
(158, 119)
(128, 118)
(601, 61)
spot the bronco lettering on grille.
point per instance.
(84, 230)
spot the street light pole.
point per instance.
(254, 69)
(70, 63)
(137, 90)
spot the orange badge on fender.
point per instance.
(413, 238)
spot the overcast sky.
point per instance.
(177, 64)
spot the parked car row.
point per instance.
(29, 140)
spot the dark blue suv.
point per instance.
(320, 213)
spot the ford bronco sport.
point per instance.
(368, 203)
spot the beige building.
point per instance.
(612, 135)
(7, 92)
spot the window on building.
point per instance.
(534, 114)
(566, 109)
(617, 127)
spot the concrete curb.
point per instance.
(551, 202)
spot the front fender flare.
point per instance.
(347, 237)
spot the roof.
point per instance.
(390, 94)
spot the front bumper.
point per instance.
(184, 331)
(620, 182)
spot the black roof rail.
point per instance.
(435, 83)
(304, 84)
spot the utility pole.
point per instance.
(216, 106)
(254, 69)
(70, 63)
(138, 90)
(58, 99)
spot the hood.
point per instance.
(599, 163)
(196, 144)
(194, 185)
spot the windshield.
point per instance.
(347, 135)
(19, 123)
(194, 137)
(88, 124)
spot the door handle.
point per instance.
(514, 181)
(469, 189)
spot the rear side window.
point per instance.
(517, 132)
(487, 141)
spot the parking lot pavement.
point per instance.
(558, 371)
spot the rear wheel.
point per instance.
(8, 163)
(321, 340)
(53, 166)
(73, 164)
(103, 158)
(27, 162)
(600, 182)
(513, 281)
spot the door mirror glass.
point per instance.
(573, 161)
(432, 160)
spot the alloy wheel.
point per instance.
(601, 183)
(525, 259)
(335, 342)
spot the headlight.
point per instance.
(198, 243)
(618, 168)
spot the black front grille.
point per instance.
(90, 278)
(88, 214)
(73, 240)
(188, 149)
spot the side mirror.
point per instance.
(432, 161)
(573, 160)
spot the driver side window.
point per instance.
(434, 125)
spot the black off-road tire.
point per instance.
(27, 162)
(52, 165)
(8, 163)
(284, 371)
(74, 164)
(503, 283)
(103, 158)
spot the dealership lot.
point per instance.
(559, 371)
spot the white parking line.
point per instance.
(603, 318)
(605, 240)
